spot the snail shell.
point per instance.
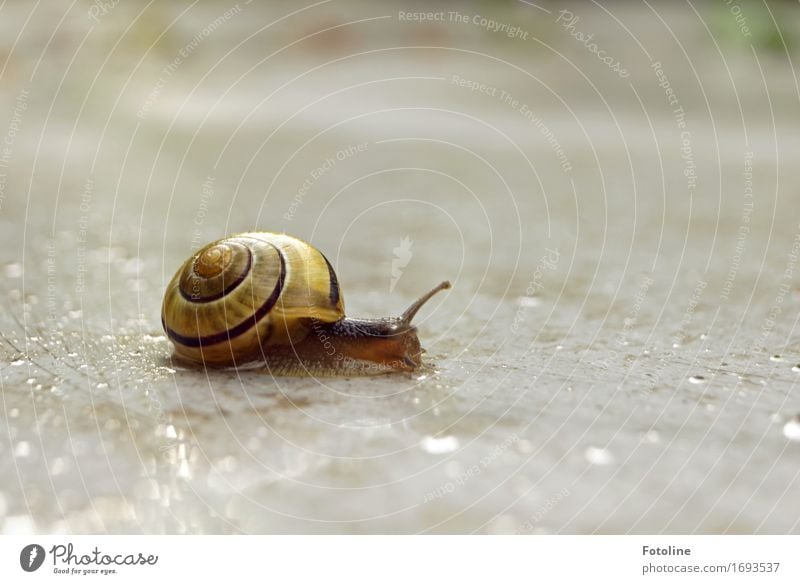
(274, 298)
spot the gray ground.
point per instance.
(619, 351)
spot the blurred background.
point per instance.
(611, 187)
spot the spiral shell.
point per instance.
(238, 296)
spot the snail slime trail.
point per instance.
(273, 298)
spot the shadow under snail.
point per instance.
(273, 298)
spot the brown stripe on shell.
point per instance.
(334, 289)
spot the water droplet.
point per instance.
(697, 379)
(440, 445)
(792, 429)
(131, 266)
(529, 301)
(776, 358)
(599, 456)
(22, 449)
(101, 385)
(18, 362)
(30, 380)
(13, 270)
(525, 446)
(453, 469)
(651, 437)
(796, 368)
(227, 464)
(184, 470)
(58, 466)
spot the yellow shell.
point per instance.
(237, 296)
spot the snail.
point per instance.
(274, 298)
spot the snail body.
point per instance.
(273, 298)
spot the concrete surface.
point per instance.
(619, 352)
